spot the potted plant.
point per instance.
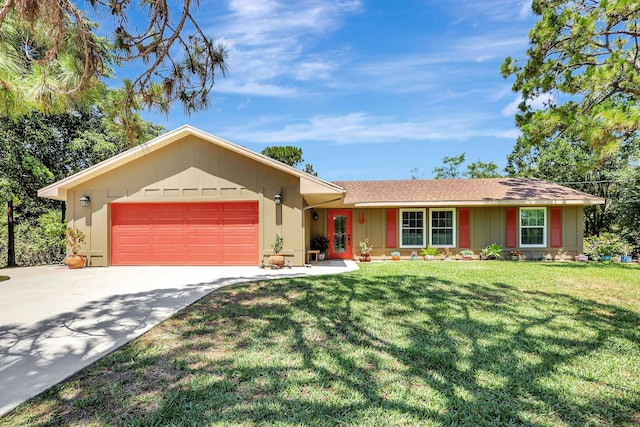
(493, 251)
(467, 254)
(365, 249)
(74, 240)
(277, 259)
(561, 254)
(395, 256)
(625, 249)
(515, 255)
(446, 253)
(428, 252)
(414, 255)
(321, 244)
(607, 248)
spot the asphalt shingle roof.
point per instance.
(459, 190)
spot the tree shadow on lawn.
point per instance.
(350, 349)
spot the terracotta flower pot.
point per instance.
(276, 259)
(365, 257)
(75, 261)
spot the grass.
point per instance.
(403, 343)
(3, 278)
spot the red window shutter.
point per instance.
(556, 227)
(392, 238)
(511, 239)
(464, 238)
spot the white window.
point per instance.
(443, 228)
(533, 226)
(412, 228)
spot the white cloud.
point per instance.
(489, 46)
(355, 128)
(525, 9)
(267, 43)
(253, 88)
(510, 134)
(492, 10)
(511, 109)
(252, 8)
(273, 48)
(314, 70)
(538, 103)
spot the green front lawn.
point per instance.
(396, 343)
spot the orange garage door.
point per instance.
(184, 233)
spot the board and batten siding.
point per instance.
(191, 170)
(482, 226)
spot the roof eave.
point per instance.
(456, 203)
(52, 192)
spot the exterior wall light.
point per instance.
(84, 201)
(315, 216)
(277, 198)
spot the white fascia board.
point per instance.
(572, 202)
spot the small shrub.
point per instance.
(365, 247)
(320, 243)
(493, 251)
(606, 244)
(428, 251)
(75, 240)
(277, 244)
(37, 242)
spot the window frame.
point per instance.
(544, 227)
(453, 227)
(401, 228)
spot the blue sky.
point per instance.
(369, 89)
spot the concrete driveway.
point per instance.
(55, 321)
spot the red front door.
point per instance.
(340, 245)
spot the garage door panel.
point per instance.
(220, 233)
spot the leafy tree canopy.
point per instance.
(581, 78)
(51, 56)
(288, 154)
(578, 165)
(482, 170)
(38, 149)
(451, 169)
(628, 208)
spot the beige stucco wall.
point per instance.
(191, 170)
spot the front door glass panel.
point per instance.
(340, 233)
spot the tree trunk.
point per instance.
(11, 238)
(63, 214)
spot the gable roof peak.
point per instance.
(58, 190)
